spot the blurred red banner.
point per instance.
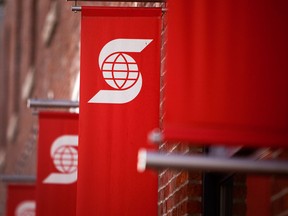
(57, 163)
(20, 200)
(227, 72)
(119, 105)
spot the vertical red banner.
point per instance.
(227, 72)
(20, 200)
(119, 105)
(57, 164)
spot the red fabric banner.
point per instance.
(119, 105)
(57, 164)
(20, 200)
(227, 72)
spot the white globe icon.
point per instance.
(65, 159)
(120, 71)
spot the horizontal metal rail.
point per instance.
(48, 103)
(18, 178)
(79, 8)
(152, 1)
(156, 160)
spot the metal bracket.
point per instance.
(76, 8)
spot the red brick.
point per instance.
(194, 206)
(195, 190)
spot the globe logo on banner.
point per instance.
(26, 208)
(120, 71)
(65, 158)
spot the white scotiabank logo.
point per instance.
(65, 158)
(26, 208)
(120, 71)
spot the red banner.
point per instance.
(119, 105)
(57, 164)
(20, 200)
(227, 75)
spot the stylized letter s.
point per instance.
(27, 207)
(113, 52)
(65, 161)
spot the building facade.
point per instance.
(39, 58)
(33, 65)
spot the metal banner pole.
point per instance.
(152, 1)
(18, 178)
(150, 159)
(48, 103)
(79, 8)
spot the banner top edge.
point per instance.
(121, 11)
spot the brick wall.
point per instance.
(2, 88)
(36, 68)
(180, 192)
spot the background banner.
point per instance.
(20, 200)
(57, 163)
(119, 105)
(227, 80)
